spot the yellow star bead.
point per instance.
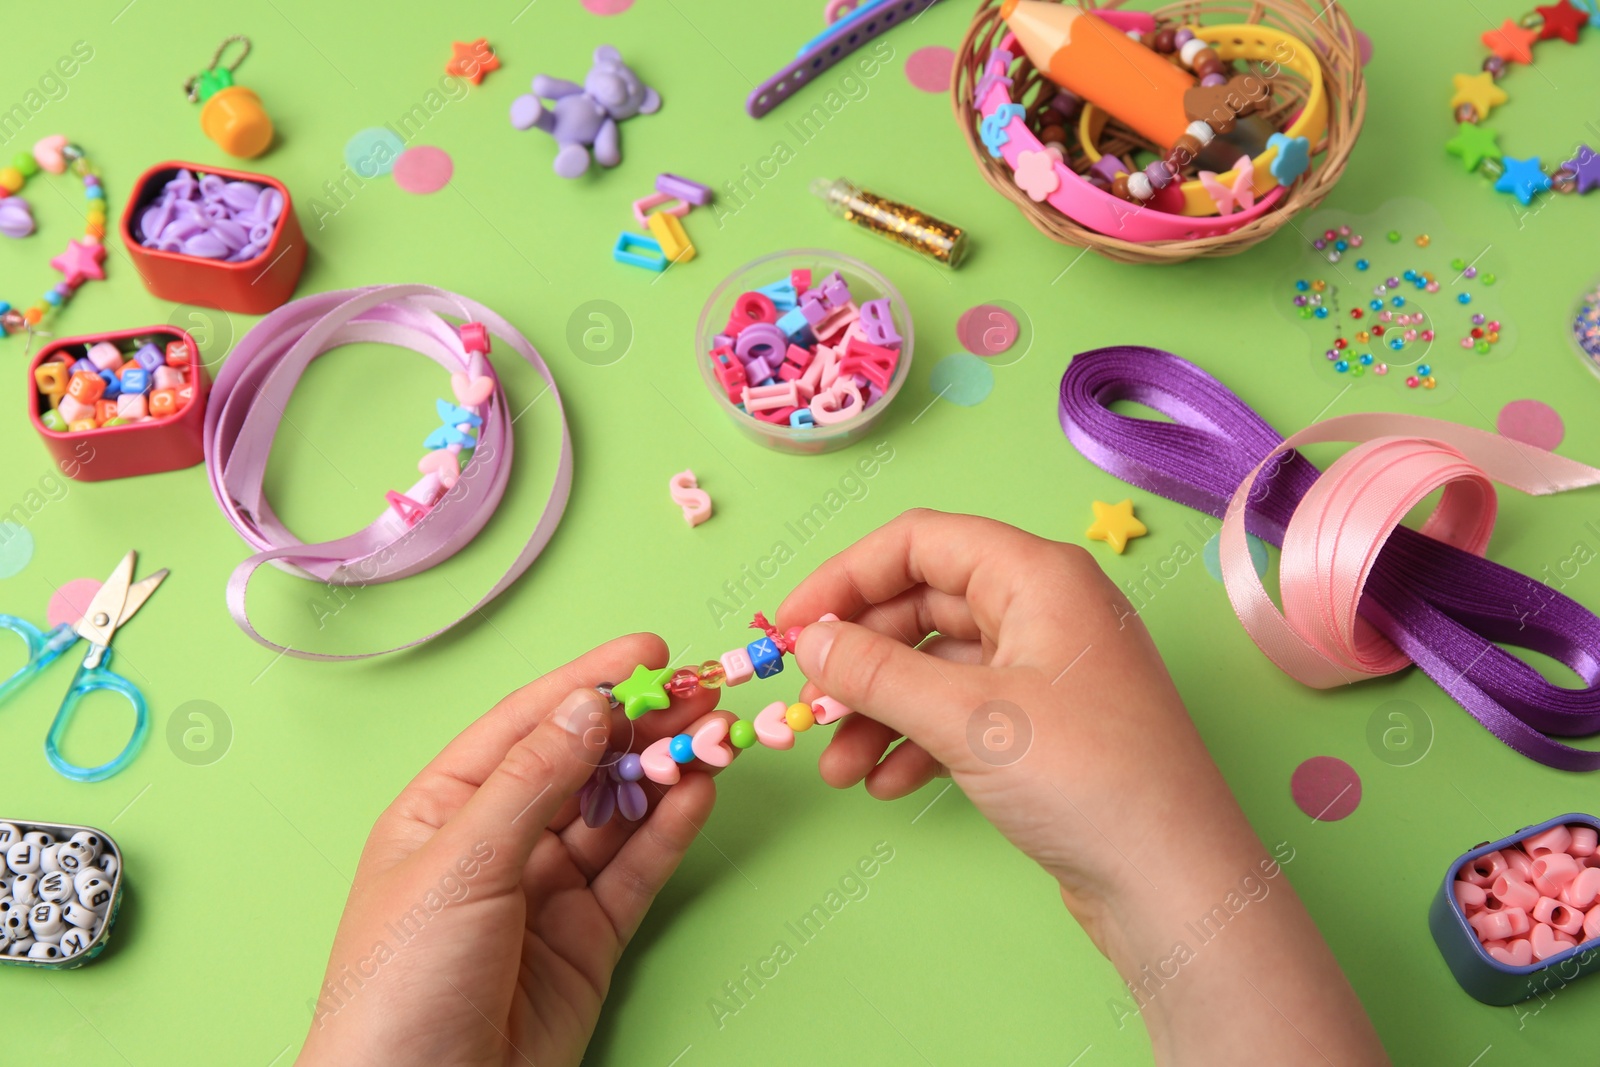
(1480, 91)
(1115, 525)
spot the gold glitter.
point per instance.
(932, 238)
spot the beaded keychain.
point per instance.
(1477, 95)
(81, 260)
(614, 787)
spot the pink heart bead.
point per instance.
(471, 392)
(708, 745)
(772, 729)
(47, 153)
(443, 463)
(658, 764)
(1517, 953)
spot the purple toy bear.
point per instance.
(581, 117)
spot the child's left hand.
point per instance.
(486, 917)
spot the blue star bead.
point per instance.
(1523, 178)
(1294, 156)
(1585, 168)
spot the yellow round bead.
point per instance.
(1362, 337)
(96, 218)
(800, 717)
(1493, 336)
(1318, 286)
(1428, 382)
(1423, 240)
(11, 179)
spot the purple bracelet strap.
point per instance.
(1445, 608)
(247, 404)
(847, 36)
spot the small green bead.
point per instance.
(1306, 312)
(1458, 264)
(1488, 279)
(1394, 237)
(1482, 346)
(742, 734)
(1357, 370)
(25, 162)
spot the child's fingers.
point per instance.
(626, 887)
(857, 744)
(902, 772)
(918, 612)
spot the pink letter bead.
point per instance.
(1585, 839)
(105, 355)
(772, 729)
(1555, 839)
(828, 710)
(1552, 871)
(1581, 891)
(708, 743)
(1591, 924)
(839, 403)
(1558, 915)
(1547, 941)
(1485, 869)
(658, 764)
(1518, 953)
(131, 406)
(1518, 861)
(736, 667)
(1513, 892)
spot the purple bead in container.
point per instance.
(210, 218)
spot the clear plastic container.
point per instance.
(865, 284)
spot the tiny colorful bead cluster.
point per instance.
(614, 786)
(1534, 899)
(1398, 323)
(206, 216)
(661, 213)
(106, 386)
(1586, 326)
(82, 260)
(451, 444)
(1476, 95)
(803, 355)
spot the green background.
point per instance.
(961, 952)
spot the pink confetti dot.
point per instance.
(1533, 422)
(1325, 788)
(423, 169)
(606, 7)
(71, 601)
(987, 330)
(929, 68)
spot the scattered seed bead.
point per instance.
(1394, 236)
(1463, 298)
(1362, 264)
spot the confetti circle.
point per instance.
(987, 330)
(1325, 788)
(423, 169)
(71, 601)
(372, 151)
(962, 379)
(16, 549)
(1533, 422)
(606, 7)
(929, 68)
(1212, 554)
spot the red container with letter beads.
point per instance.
(152, 420)
(253, 287)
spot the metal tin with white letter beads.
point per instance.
(60, 887)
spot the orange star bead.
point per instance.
(472, 61)
(1511, 42)
(1561, 20)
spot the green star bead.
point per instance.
(645, 690)
(1474, 143)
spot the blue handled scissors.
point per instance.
(111, 607)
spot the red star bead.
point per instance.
(1511, 42)
(1561, 20)
(81, 262)
(472, 61)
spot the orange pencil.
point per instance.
(1094, 60)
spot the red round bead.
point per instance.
(1357, 313)
(1340, 343)
(684, 682)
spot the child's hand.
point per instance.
(486, 917)
(1046, 700)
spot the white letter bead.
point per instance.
(19, 947)
(90, 841)
(107, 864)
(75, 941)
(40, 838)
(48, 858)
(15, 925)
(80, 916)
(95, 894)
(72, 857)
(23, 857)
(25, 888)
(44, 919)
(83, 876)
(736, 667)
(1201, 131)
(56, 887)
(44, 951)
(9, 835)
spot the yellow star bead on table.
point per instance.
(1480, 91)
(1115, 525)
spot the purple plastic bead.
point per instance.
(1159, 173)
(631, 801)
(598, 802)
(1470, 272)
(684, 189)
(1182, 37)
(1211, 80)
(629, 769)
(1107, 167)
(211, 218)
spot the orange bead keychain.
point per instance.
(230, 114)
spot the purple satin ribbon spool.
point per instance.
(1443, 607)
(249, 398)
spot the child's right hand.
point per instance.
(1047, 702)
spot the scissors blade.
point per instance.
(99, 621)
(138, 593)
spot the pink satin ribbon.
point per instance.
(247, 403)
(1337, 529)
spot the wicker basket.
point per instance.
(1328, 30)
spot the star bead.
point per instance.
(1474, 144)
(1511, 42)
(1585, 168)
(472, 61)
(1480, 91)
(1561, 20)
(1115, 525)
(645, 690)
(1523, 179)
(81, 262)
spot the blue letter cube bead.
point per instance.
(113, 386)
(135, 380)
(765, 657)
(148, 357)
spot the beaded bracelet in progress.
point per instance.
(614, 788)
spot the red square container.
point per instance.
(253, 287)
(166, 444)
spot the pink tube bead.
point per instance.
(1552, 871)
(1485, 869)
(1547, 941)
(658, 764)
(771, 728)
(1555, 839)
(1517, 953)
(1558, 915)
(1514, 892)
(1591, 924)
(828, 710)
(1585, 840)
(1581, 892)
(1519, 863)
(1491, 925)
